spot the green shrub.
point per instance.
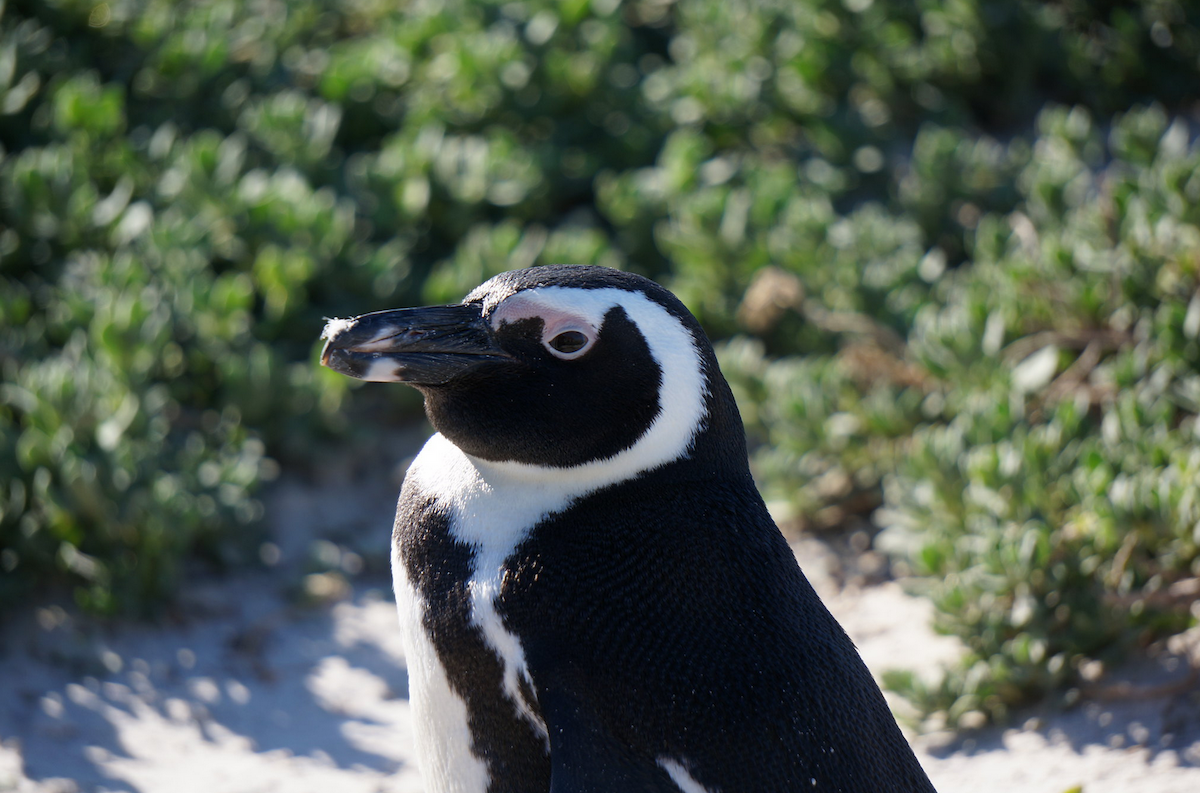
(1053, 507)
(1035, 434)
(187, 190)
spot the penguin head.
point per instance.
(559, 366)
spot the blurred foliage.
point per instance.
(1027, 437)
(955, 246)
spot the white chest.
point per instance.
(492, 513)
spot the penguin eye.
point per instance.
(565, 344)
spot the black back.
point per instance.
(671, 611)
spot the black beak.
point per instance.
(419, 346)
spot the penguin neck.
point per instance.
(709, 442)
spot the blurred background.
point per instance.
(949, 252)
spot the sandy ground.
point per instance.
(251, 687)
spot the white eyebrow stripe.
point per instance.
(682, 392)
(555, 319)
(534, 303)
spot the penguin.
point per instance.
(593, 596)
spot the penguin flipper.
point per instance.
(586, 758)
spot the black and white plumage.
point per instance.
(593, 595)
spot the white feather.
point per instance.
(335, 327)
(680, 776)
(443, 738)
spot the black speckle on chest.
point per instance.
(439, 568)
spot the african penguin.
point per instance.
(593, 596)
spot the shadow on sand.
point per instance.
(325, 686)
(1151, 704)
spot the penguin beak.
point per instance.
(419, 346)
